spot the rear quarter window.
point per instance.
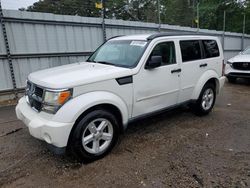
(190, 50)
(210, 48)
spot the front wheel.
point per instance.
(94, 136)
(206, 100)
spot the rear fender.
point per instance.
(203, 80)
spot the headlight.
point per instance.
(53, 100)
(230, 63)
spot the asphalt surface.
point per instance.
(174, 149)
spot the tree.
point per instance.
(178, 12)
(68, 7)
(212, 14)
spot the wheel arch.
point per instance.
(105, 106)
(208, 77)
(79, 106)
(75, 107)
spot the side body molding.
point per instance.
(75, 107)
(201, 82)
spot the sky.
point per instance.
(16, 4)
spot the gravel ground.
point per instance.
(174, 149)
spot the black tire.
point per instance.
(198, 107)
(231, 79)
(75, 143)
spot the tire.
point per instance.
(231, 79)
(97, 128)
(205, 104)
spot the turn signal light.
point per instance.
(63, 97)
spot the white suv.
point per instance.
(85, 106)
(238, 66)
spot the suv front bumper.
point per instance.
(42, 126)
(234, 73)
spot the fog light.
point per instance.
(50, 109)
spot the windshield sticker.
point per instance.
(138, 43)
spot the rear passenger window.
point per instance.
(190, 50)
(210, 48)
(167, 51)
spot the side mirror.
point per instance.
(153, 62)
(240, 53)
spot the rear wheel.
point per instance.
(94, 136)
(206, 100)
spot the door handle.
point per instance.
(203, 65)
(175, 71)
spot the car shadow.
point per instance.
(241, 81)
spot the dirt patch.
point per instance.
(174, 149)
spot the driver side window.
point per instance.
(167, 52)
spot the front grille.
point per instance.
(38, 92)
(241, 66)
(35, 94)
(37, 105)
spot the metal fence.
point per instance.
(33, 41)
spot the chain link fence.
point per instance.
(31, 41)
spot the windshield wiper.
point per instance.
(105, 62)
(91, 61)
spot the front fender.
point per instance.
(202, 81)
(70, 111)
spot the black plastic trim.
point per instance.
(56, 150)
(150, 114)
(168, 34)
(125, 80)
(238, 75)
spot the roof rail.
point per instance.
(115, 37)
(156, 35)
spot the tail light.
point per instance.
(223, 68)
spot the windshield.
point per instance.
(124, 53)
(246, 51)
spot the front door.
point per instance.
(157, 88)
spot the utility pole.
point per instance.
(159, 15)
(224, 29)
(198, 16)
(243, 32)
(103, 20)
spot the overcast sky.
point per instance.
(16, 4)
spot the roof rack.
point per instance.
(156, 35)
(115, 37)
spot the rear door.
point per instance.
(212, 56)
(192, 67)
(198, 56)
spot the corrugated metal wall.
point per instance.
(41, 40)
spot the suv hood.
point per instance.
(240, 58)
(69, 76)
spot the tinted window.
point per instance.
(190, 50)
(167, 51)
(210, 48)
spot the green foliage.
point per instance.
(177, 12)
(212, 15)
(67, 7)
